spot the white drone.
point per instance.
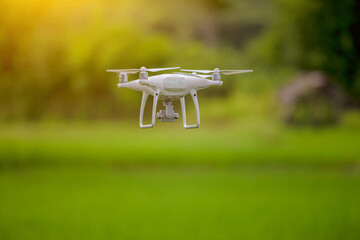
(169, 87)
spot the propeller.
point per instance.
(194, 74)
(216, 70)
(142, 69)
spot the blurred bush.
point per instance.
(312, 99)
(54, 53)
(316, 35)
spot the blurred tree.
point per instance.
(53, 54)
(317, 35)
(209, 25)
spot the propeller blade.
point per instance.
(200, 71)
(131, 71)
(226, 72)
(161, 69)
(229, 72)
(134, 70)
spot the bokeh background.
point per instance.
(277, 155)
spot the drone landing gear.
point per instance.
(167, 115)
(196, 103)
(142, 108)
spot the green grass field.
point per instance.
(179, 204)
(114, 181)
(108, 144)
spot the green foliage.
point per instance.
(240, 176)
(317, 35)
(54, 53)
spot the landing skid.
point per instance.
(168, 115)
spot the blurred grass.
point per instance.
(214, 143)
(225, 180)
(178, 204)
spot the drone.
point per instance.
(169, 87)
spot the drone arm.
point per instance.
(196, 103)
(142, 109)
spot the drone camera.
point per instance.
(167, 115)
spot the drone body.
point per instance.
(169, 87)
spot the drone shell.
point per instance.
(171, 86)
(168, 87)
